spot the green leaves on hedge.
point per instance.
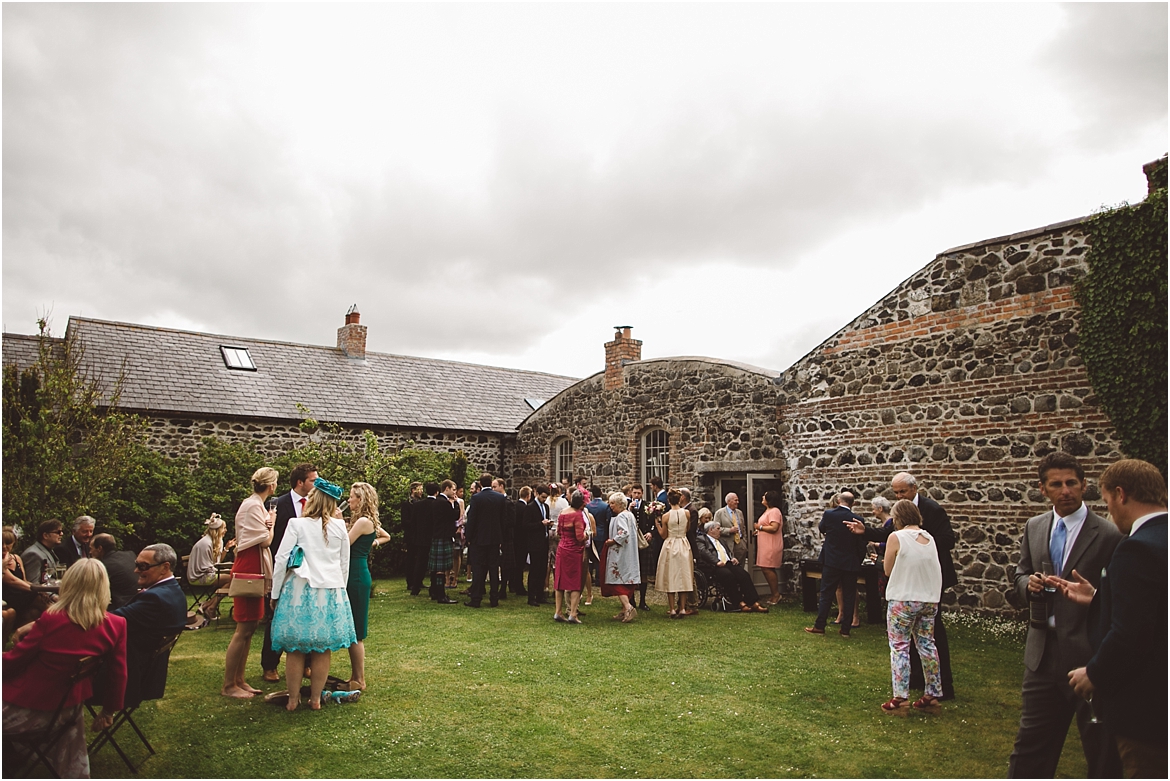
(1123, 322)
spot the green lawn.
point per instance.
(455, 692)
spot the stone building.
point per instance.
(192, 385)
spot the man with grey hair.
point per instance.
(714, 559)
(158, 610)
(731, 520)
(937, 524)
(77, 546)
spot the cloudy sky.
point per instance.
(503, 183)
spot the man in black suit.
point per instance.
(532, 531)
(509, 577)
(417, 538)
(713, 557)
(1126, 677)
(519, 544)
(841, 563)
(1067, 537)
(291, 505)
(119, 566)
(485, 514)
(77, 546)
(160, 609)
(439, 517)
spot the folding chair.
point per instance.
(199, 593)
(40, 743)
(126, 715)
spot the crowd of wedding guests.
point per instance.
(575, 539)
(1096, 648)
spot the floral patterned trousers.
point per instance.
(906, 621)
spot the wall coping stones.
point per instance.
(1026, 234)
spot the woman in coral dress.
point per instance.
(769, 530)
(676, 566)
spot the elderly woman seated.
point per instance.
(713, 557)
(38, 669)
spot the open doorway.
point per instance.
(750, 488)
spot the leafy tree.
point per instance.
(65, 439)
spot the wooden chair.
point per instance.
(126, 715)
(40, 743)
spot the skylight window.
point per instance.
(535, 403)
(238, 358)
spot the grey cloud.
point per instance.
(1111, 59)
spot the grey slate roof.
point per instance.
(183, 373)
(21, 349)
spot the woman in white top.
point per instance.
(915, 585)
(557, 504)
(313, 615)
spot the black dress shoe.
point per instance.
(534, 604)
(471, 604)
(493, 604)
(643, 606)
(446, 601)
(414, 592)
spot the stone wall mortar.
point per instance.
(180, 437)
(965, 375)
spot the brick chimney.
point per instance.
(351, 337)
(618, 353)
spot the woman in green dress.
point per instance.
(365, 531)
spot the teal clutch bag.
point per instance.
(296, 557)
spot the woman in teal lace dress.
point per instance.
(365, 531)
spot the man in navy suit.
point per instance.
(289, 506)
(1126, 677)
(160, 609)
(485, 513)
(841, 563)
(532, 528)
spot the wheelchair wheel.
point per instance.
(702, 588)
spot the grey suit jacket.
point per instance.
(1089, 555)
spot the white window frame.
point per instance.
(654, 455)
(563, 461)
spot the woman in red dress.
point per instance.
(253, 536)
(570, 557)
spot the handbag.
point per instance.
(245, 584)
(296, 557)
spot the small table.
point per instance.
(810, 573)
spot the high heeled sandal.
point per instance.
(924, 702)
(893, 703)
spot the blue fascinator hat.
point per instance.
(328, 488)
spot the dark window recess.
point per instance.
(238, 358)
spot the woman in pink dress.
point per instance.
(770, 542)
(570, 557)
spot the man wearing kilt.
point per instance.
(443, 515)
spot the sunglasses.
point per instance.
(142, 566)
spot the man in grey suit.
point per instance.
(733, 531)
(1067, 537)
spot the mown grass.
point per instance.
(455, 692)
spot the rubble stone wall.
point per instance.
(965, 376)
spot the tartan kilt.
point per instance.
(442, 556)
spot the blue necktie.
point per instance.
(1056, 548)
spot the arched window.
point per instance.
(563, 460)
(656, 456)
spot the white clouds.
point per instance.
(446, 166)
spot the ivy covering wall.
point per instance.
(1124, 320)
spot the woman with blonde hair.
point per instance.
(38, 668)
(914, 589)
(254, 535)
(365, 532)
(205, 554)
(313, 617)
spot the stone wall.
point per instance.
(718, 415)
(965, 375)
(180, 437)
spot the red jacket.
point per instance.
(37, 669)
